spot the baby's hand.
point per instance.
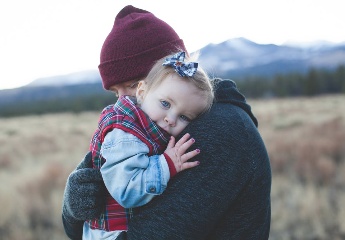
(177, 153)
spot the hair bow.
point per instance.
(182, 68)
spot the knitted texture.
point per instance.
(137, 39)
(85, 192)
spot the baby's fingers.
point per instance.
(171, 143)
(188, 165)
(182, 140)
(189, 155)
(183, 148)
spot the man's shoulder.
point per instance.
(226, 115)
(222, 121)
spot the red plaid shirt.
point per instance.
(125, 115)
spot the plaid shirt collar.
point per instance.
(126, 106)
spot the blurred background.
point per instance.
(286, 57)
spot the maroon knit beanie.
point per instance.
(137, 40)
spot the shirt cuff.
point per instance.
(171, 165)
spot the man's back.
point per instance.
(228, 195)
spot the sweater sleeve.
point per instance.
(226, 197)
(130, 175)
(73, 230)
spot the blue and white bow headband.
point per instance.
(182, 68)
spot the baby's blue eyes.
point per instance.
(184, 118)
(165, 104)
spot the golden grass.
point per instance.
(305, 138)
(36, 157)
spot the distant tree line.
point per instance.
(314, 82)
(70, 104)
(81, 98)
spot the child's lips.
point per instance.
(166, 128)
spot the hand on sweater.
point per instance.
(84, 193)
(178, 155)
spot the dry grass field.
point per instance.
(305, 138)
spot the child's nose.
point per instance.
(170, 120)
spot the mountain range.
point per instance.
(235, 59)
(238, 58)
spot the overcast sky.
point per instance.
(40, 38)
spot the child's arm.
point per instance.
(130, 175)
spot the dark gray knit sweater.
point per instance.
(227, 196)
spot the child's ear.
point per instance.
(141, 91)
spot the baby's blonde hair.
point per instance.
(200, 79)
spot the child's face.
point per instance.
(172, 104)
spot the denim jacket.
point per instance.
(130, 175)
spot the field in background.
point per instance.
(305, 138)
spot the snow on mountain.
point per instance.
(311, 45)
(91, 76)
(241, 57)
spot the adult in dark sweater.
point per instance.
(226, 197)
